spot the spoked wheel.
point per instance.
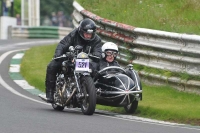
(131, 107)
(89, 101)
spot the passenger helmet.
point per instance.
(87, 26)
(109, 46)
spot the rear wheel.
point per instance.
(89, 101)
(131, 107)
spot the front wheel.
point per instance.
(89, 101)
(131, 107)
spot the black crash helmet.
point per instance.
(87, 26)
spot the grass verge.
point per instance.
(181, 16)
(159, 102)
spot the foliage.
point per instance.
(17, 7)
(49, 6)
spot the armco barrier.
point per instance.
(38, 32)
(174, 52)
(18, 32)
(43, 32)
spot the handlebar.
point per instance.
(92, 56)
(62, 56)
(68, 54)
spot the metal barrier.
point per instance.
(38, 32)
(174, 52)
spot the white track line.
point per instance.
(3, 83)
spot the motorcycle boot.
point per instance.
(49, 96)
(50, 91)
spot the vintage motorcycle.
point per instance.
(74, 84)
(115, 88)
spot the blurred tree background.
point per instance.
(60, 8)
(56, 7)
(17, 7)
(49, 6)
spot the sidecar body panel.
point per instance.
(116, 90)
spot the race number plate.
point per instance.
(82, 65)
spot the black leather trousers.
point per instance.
(52, 69)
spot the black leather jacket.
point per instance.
(103, 63)
(74, 39)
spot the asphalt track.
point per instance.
(24, 112)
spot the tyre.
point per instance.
(88, 104)
(131, 108)
(57, 107)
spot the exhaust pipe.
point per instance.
(43, 97)
(70, 97)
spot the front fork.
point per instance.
(77, 76)
(77, 81)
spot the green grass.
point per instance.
(181, 16)
(33, 67)
(159, 102)
(165, 102)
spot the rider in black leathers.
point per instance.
(85, 36)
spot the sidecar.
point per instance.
(115, 88)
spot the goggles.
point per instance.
(89, 31)
(109, 53)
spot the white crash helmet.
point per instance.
(108, 46)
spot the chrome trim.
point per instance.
(110, 86)
(132, 87)
(123, 99)
(116, 67)
(128, 82)
(136, 80)
(124, 92)
(121, 83)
